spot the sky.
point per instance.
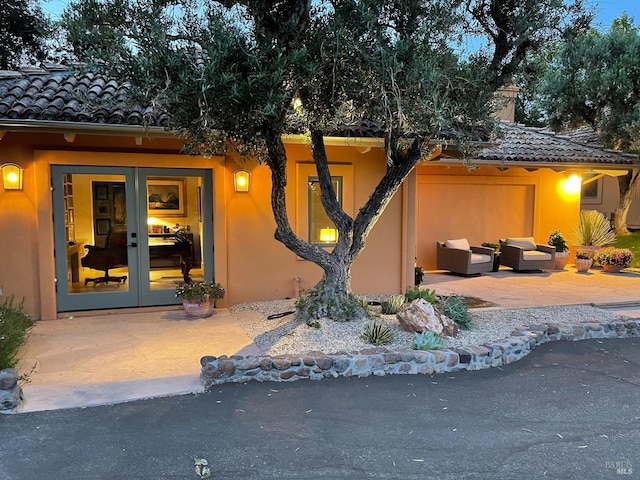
(607, 10)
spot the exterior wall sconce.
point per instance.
(328, 235)
(572, 185)
(241, 180)
(12, 176)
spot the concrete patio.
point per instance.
(107, 358)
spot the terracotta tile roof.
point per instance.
(521, 144)
(56, 94)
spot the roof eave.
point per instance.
(54, 126)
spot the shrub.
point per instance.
(414, 293)
(620, 257)
(392, 304)
(593, 229)
(419, 275)
(200, 291)
(377, 334)
(427, 340)
(495, 246)
(14, 330)
(455, 308)
(557, 240)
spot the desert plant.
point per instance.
(583, 255)
(418, 275)
(392, 304)
(414, 293)
(455, 308)
(14, 330)
(620, 257)
(315, 301)
(427, 340)
(377, 334)
(557, 240)
(593, 229)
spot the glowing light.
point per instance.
(241, 180)
(11, 176)
(328, 235)
(573, 184)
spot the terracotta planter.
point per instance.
(198, 309)
(561, 260)
(583, 264)
(612, 268)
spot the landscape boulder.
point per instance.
(419, 315)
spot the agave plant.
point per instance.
(593, 229)
(392, 304)
(427, 340)
(377, 334)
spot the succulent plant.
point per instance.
(415, 293)
(377, 334)
(427, 340)
(455, 308)
(392, 304)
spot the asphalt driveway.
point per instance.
(568, 410)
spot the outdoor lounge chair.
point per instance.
(523, 254)
(458, 257)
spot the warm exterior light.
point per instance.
(328, 235)
(573, 184)
(241, 180)
(11, 176)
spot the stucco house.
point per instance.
(99, 174)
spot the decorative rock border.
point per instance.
(10, 391)
(381, 361)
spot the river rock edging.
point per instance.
(381, 361)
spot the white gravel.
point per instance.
(285, 335)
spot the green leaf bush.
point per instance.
(14, 330)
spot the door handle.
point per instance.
(133, 244)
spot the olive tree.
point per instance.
(302, 66)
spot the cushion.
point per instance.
(535, 255)
(480, 258)
(458, 244)
(526, 243)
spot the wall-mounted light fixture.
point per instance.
(11, 176)
(573, 184)
(241, 180)
(328, 235)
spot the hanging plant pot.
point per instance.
(198, 308)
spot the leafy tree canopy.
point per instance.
(232, 72)
(23, 27)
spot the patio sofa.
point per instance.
(523, 254)
(459, 257)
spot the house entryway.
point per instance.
(125, 237)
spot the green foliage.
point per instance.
(419, 275)
(455, 308)
(323, 301)
(392, 304)
(200, 291)
(593, 229)
(14, 330)
(377, 334)
(557, 240)
(495, 246)
(427, 340)
(23, 28)
(315, 325)
(583, 255)
(415, 292)
(632, 242)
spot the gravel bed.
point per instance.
(285, 335)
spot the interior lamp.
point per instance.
(12, 176)
(328, 235)
(241, 180)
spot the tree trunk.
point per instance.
(627, 185)
(332, 296)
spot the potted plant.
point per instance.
(583, 261)
(613, 259)
(593, 231)
(496, 256)
(419, 275)
(199, 298)
(562, 249)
